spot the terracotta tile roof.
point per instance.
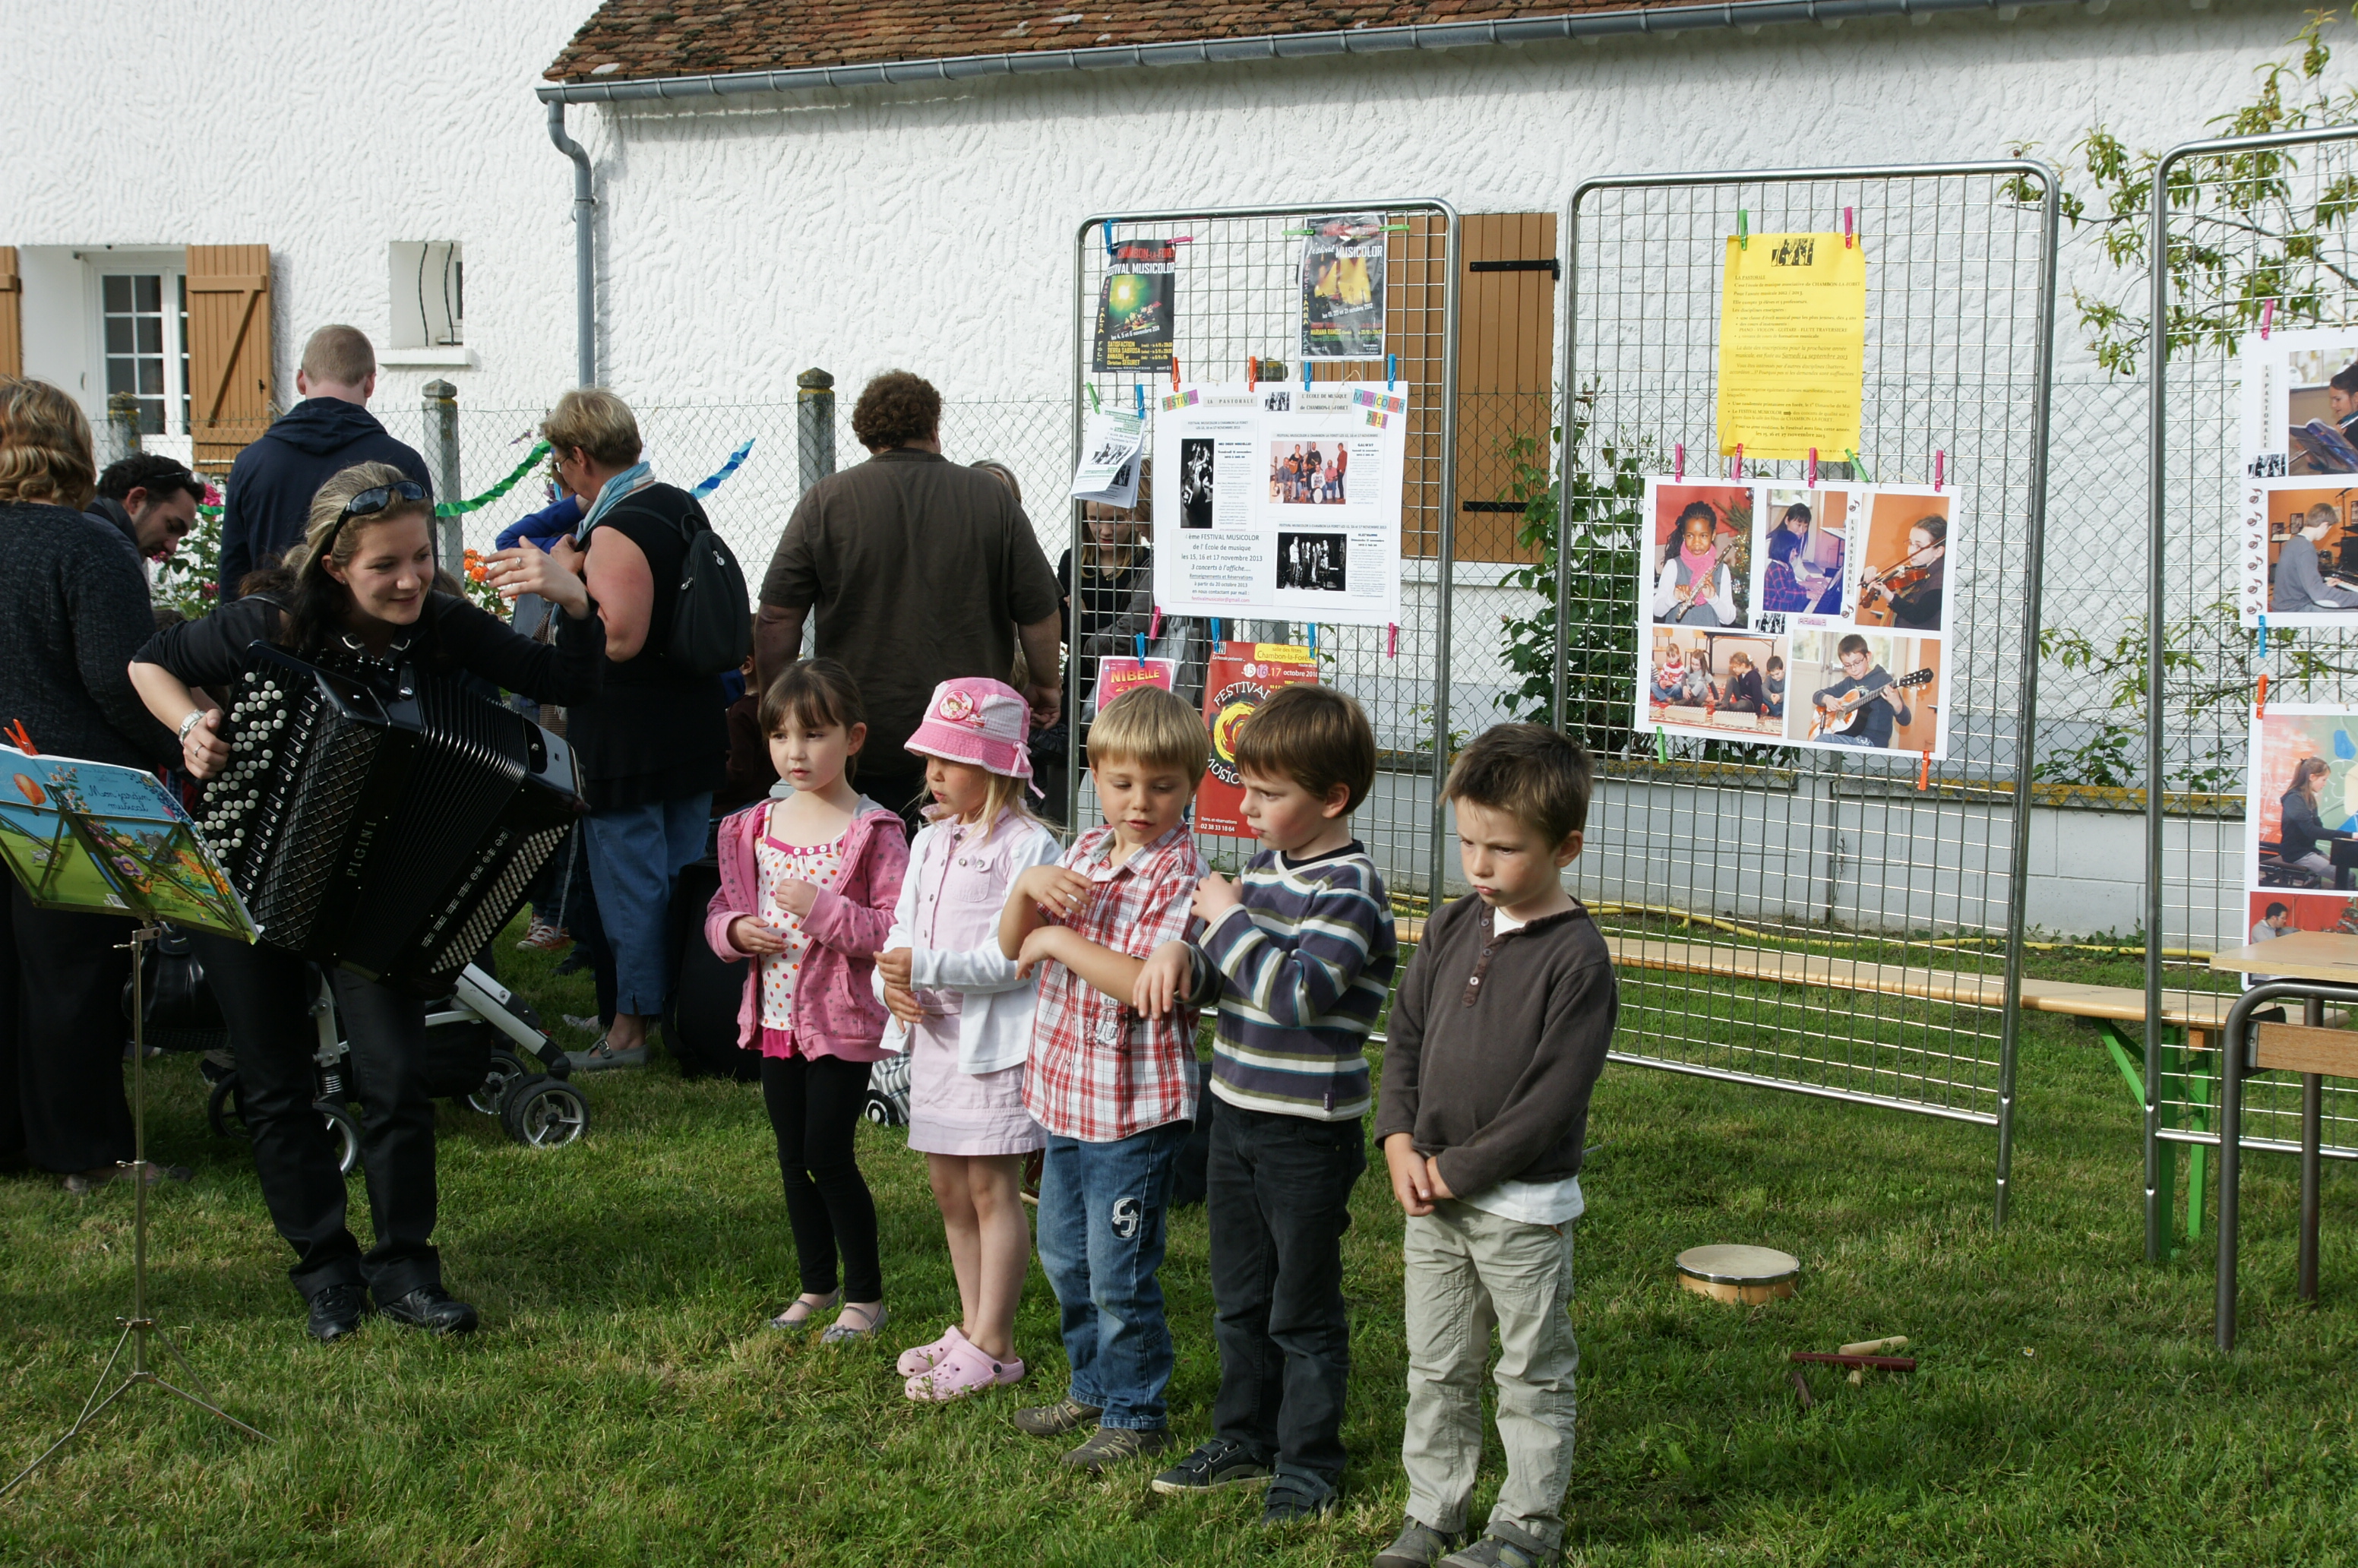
(644, 39)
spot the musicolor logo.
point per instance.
(1127, 1213)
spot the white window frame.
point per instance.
(172, 266)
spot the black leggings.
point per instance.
(815, 1108)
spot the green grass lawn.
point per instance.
(624, 1404)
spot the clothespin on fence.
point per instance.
(1742, 230)
(1215, 630)
(2267, 318)
(1737, 471)
(1391, 370)
(1142, 647)
(1681, 448)
(1313, 639)
(1391, 640)
(1814, 468)
(1139, 387)
(1097, 404)
(1848, 239)
(18, 738)
(1924, 771)
(1154, 627)
(1305, 375)
(2262, 706)
(1939, 466)
(1858, 468)
(1661, 744)
(1252, 371)
(1108, 229)
(2264, 636)
(1174, 372)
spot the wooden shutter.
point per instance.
(229, 349)
(12, 314)
(1505, 371)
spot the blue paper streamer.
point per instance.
(736, 461)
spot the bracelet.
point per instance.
(190, 724)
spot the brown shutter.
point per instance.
(12, 314)
(229, 349)
(1505, 368)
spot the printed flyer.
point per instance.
(1792, 345)
(1287, 503)
(1343, 289)
(2295, 419)
(1136, 309)
(1239, 678)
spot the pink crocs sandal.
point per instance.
(924, 1357)
(965, 1371)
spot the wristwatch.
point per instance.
(190, 724)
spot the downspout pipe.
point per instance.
(585, 276)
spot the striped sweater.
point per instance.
(1299, 972)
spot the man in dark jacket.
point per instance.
(151, 499)
(271, 486)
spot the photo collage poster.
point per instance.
(2296, 558)
(1281, 501)
(1788, 615)
(2300, 822)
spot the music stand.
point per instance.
(98, 838)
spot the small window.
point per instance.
(139, 346)
(429, 281)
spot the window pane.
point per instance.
(120, 336)
(151, 334)
(122, 375)
(118, 293)
(151, 377)
(149, 289)
(151, 416)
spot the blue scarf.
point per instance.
(635, 478)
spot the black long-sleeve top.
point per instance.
(451, 635)
(2301, 828)
(73, 606)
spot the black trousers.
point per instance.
(265, 996)
(61, 1033)
(1278, 1192)
(815, 1108)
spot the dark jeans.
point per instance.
(61, 1033)
(1277, 1201)
(1102, 1207)
(265, 996)
(815, 1108)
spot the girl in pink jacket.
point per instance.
(808, 882)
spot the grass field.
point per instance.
(625, 1405)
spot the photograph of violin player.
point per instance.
(2302, 540)
(1874, 692)
(1904, 581)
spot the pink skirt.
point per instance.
(972, 1114)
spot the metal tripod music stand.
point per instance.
(139, 1325)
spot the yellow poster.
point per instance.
(1792, 345)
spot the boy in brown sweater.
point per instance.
(1497, 1037)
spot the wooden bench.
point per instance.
(2192, 1018)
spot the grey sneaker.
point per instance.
(1418, 1545)
(1066, 1415)
(1110, 1445)
(1223, 1462)
(1297, 1497)
(1504, 1546)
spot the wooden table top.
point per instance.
(2303, 956)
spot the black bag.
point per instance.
(177, 995)
(712, 616)
(700, 1019)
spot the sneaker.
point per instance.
(602, 1057)
(1111, 1445)
(1221, 1462)
(1066, 1415)
(1297, 1497)
(540, 936)
(1418, 1545)
(1504, 1546)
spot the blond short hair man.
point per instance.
(271, 485)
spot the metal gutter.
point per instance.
(1588, 25)
(585, 210)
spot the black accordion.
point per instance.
(391, 831)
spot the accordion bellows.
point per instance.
(391, 834)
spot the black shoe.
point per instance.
(1222, 1461)
(431, 1306)
(1297, 1497)
(1418, 1545)
(336, 1311)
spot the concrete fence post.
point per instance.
(442, 467)
(122, 424)
(814, 425)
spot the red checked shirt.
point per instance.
(1100, 1071)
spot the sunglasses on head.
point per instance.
(368, 503)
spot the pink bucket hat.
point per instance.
(978, 720)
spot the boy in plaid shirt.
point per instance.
(1114, 1089)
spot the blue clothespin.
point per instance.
(1391, 370)
(1216, 629)
(2264, 636)
(1305, 375)
(1108, 229)
(1139, 387)
(1313, 636)
(1142, 647)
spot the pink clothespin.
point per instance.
(1847, 233)
(1939, 462)
(1681, 450)
(1154, 627)
(2267, 318)
(1738, 472)
(1814, 468)
(1391, 640)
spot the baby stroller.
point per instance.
(887, 1092)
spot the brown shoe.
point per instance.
(1111, 1445)
(1066, 1415)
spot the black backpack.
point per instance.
(712, 616)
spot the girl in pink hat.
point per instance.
(966, 1020)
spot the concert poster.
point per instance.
(1137, 305)
(2309, 750)
(1783, 614)
(2297, 560)
(1343, 287)
(2295, 420)
(1239, 678)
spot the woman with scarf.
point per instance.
(654, 745)
(1692, 586)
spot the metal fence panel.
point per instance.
(1730, 870)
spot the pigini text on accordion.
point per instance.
(389, 829)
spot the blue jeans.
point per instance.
(1100, 1239)
(635, 854)
(1858, 740)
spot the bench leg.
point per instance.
(2130, 1059)
(2313, 1108)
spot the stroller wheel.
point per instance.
(505, 1070)
(346, 1127)
(544, 1113)
(222, 1110)
(880, 1110)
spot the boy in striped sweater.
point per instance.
(1298, 954)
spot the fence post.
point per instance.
(442, 467)
(123, 423)
(814, 425)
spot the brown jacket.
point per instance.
(1495, 1044)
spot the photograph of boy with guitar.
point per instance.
(1856, 699)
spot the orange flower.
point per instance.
(476, 570)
